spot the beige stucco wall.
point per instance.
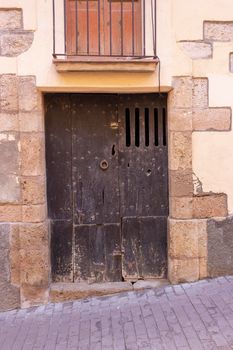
(178, 20)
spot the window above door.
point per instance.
(104, 35)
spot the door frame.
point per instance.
(141, 102)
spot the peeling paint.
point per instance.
(197, 184)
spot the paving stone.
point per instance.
(192, 316)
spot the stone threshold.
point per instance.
(71, 291)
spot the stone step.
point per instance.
(71, 291)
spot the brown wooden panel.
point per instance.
(61, 250)
(143, 173)
(58, 156)
(88, 27)
(143, 178)
(126, 28)
(97, 253)
(95, 138)
(59, 187)
(144, 241)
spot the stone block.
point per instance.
(70, 291)
(181, 207)
(32, 296)
(186, 270)
(9, 296)
(9, 122)
(15, 254)
(4, 253)
(220, 246)
(181, 95)
(187, 238)
(34, 237)
(200, 93)
(29, 96)
(13, 44)
(231, 62)
(9, 189)
(180, 183)
(9, 153)
(9, 93)
(31, 121)
(210, 205)
(212, 119)
(203, 271)
(33, 190)
(180, 150)
(196, 49)
(218, 31)
(10, 18)
(34, 213)
(34, 254)
(10, 213)
(32, 154)
(34, 267)
(180, 120)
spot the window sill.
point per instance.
(97, 64)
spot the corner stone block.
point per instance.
(32, 296)
(13, 44)
(200, 93)
(9, 93)
(210, 205)
(212, 119)
(34, 213)
(187, 239)
(181, 183)
(31, 121)
(30, 98)
(11, 19)
(183, 270)
(32, 154)
(15, 254)
(181, 207)
(180, 119)
(196, 49)
(181, 95)
(34, 254)
(33, 190)
(218, 31)
(180, 150)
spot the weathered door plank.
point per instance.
(59, 185)
(96, 189)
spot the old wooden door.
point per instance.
(104, 27)
(107, 186)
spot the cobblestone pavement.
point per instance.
(188, 316)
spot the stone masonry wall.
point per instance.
(24, 241)
(190, 207)
(22, 196)
(200, 230)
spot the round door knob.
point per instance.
(104, 164)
